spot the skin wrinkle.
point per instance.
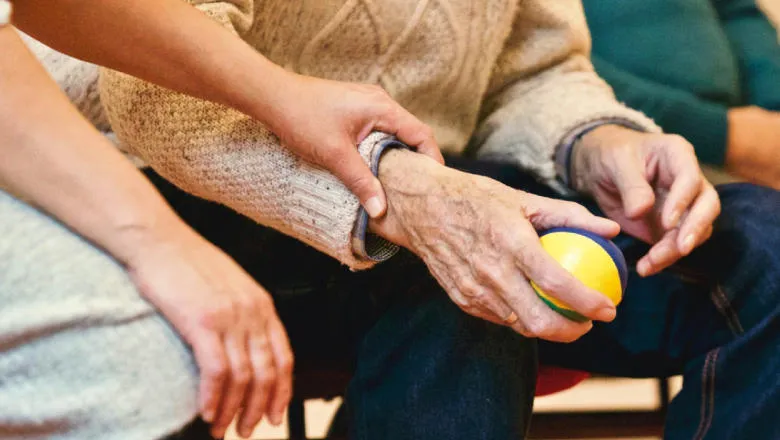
(486, 227)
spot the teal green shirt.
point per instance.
(685, 62)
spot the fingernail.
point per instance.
(245, 432)
(208, 415)
(643, 267)
(373, 207)
(276, 419)
(606, 314)
(687, 244)
(674, 219)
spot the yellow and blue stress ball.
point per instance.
(597, 262)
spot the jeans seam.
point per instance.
(708, 394)
(723, 305)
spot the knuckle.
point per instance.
(471, 309)
(487, 271)
(466, 285)
(213, 316)
(241, 374)
(551, 283)
(537, 328)
(216, 371)
(286, 365)
(266, 377)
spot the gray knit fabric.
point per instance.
(82, 355)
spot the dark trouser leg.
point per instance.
(427, 370)
(714, 318)
(422, 368)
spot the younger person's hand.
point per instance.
(240, 345)
(323, 121)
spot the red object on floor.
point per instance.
(551, 380)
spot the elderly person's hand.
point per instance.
(651, 184)
(477, 237)
(230, 321)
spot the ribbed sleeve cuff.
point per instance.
(529, 128)
(564, 152)
(366, 245)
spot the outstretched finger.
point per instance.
(684, 190)
(555, 281)
(663, 254)
(240, 376)
(700, 218)
(263, 375)
(213, 365)
(283, 360)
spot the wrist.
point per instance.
(264, 94)
(597, 140)
(409, 179)
(134, 242)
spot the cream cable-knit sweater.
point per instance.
(507, 78)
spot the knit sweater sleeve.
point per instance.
(225, 156)
(543, 89)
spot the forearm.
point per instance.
(53, 158)
(167, 42)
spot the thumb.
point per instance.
(355, 174)
(635, 192)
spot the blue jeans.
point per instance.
(422, 369)
(714, 317)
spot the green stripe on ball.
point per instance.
(571, 314)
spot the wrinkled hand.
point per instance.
(477, 237)
(240, 345)
(323, 121)
(753, 142)
(651, 184)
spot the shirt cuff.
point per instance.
(366, 245)
(5, 13)
(563, 153)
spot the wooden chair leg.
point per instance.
(296, 419)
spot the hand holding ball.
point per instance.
(595, 261)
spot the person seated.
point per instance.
(117, 320)
(705, 69)
(506, 86)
